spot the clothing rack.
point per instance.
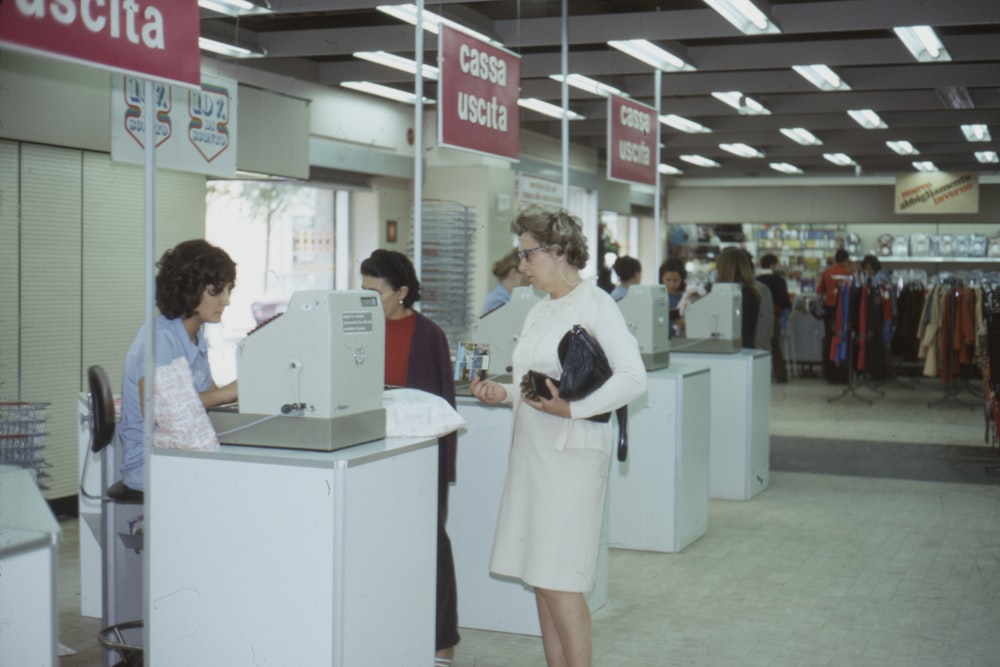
(952, 331)
(841, 351)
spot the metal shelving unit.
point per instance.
(22, 437)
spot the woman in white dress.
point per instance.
(550, 518)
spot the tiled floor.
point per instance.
(816, 570)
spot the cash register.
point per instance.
(713, 323)
(311, 378)
(500, 329)
(646, 309)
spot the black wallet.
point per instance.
(536, 383)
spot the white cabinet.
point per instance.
(740, 415)
(658, 497)
(263, 556)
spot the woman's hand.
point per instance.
(553, 406)
(487, 391)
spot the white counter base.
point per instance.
(263, 556)
(659, 496)
(485, 601)
(29, 561)
(740, 414)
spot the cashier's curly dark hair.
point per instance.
(397, 271)
(186, 271)
(557, 230)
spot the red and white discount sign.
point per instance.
(156, 39)
(632, 141)
(477, 95)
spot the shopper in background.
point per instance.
(629, 272)
(782, 310)
(417, 355)
(733, 266)
(508, 277)
(193, 283)
(549, 527)
(673, 276)
(828, 287)
(765, 317)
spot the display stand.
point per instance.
(486, 601)
(658, 497)
(740, 415)
(29, 562)
(264, 556)
(853, 379)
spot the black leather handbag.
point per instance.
(585, 367)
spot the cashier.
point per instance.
(193, 284)
(508, 277)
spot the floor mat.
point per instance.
(931, 463)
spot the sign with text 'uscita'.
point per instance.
(195, 129)
(155, 39)
(477, 96)
(633, 144)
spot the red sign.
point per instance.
(156, 39)
(633, 143)
(477, 96)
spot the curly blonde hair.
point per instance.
(557, 230)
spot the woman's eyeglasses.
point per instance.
(526, 254)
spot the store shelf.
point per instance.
(895, 259)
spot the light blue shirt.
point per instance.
(172, 341)
(619, 293)
(498, 297)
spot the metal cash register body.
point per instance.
(313, 377)
(713, 322)
(501, 328)
(646, 309)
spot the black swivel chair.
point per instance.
(102, 429)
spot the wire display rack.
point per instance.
(22, 437)
(448, 235)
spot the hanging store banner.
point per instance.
(154, 39)
(937, 192)
(632, 141)
(478, 90)
(195, 129)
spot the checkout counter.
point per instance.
(740, 403)
(29, 563)
(658, 497)
(308, 536)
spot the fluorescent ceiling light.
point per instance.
(384, 91)
(236, 7)
(231, 50)
(925, 165)
(785, 168)
(651, 54)
(747, 106)
(821, 76)
(587, 84)
(902, 147)
(669, 170)
(683, 124)
(976, 132)
(839, 159)
(986, 156)
(547, 109)
(745, 15)
(801, 135)
(867, 119)
(955, 97)
(923, 43)
(397, 62)
(742, 150)
(432, 22)
(700, 161)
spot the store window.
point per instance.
(283, 239)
